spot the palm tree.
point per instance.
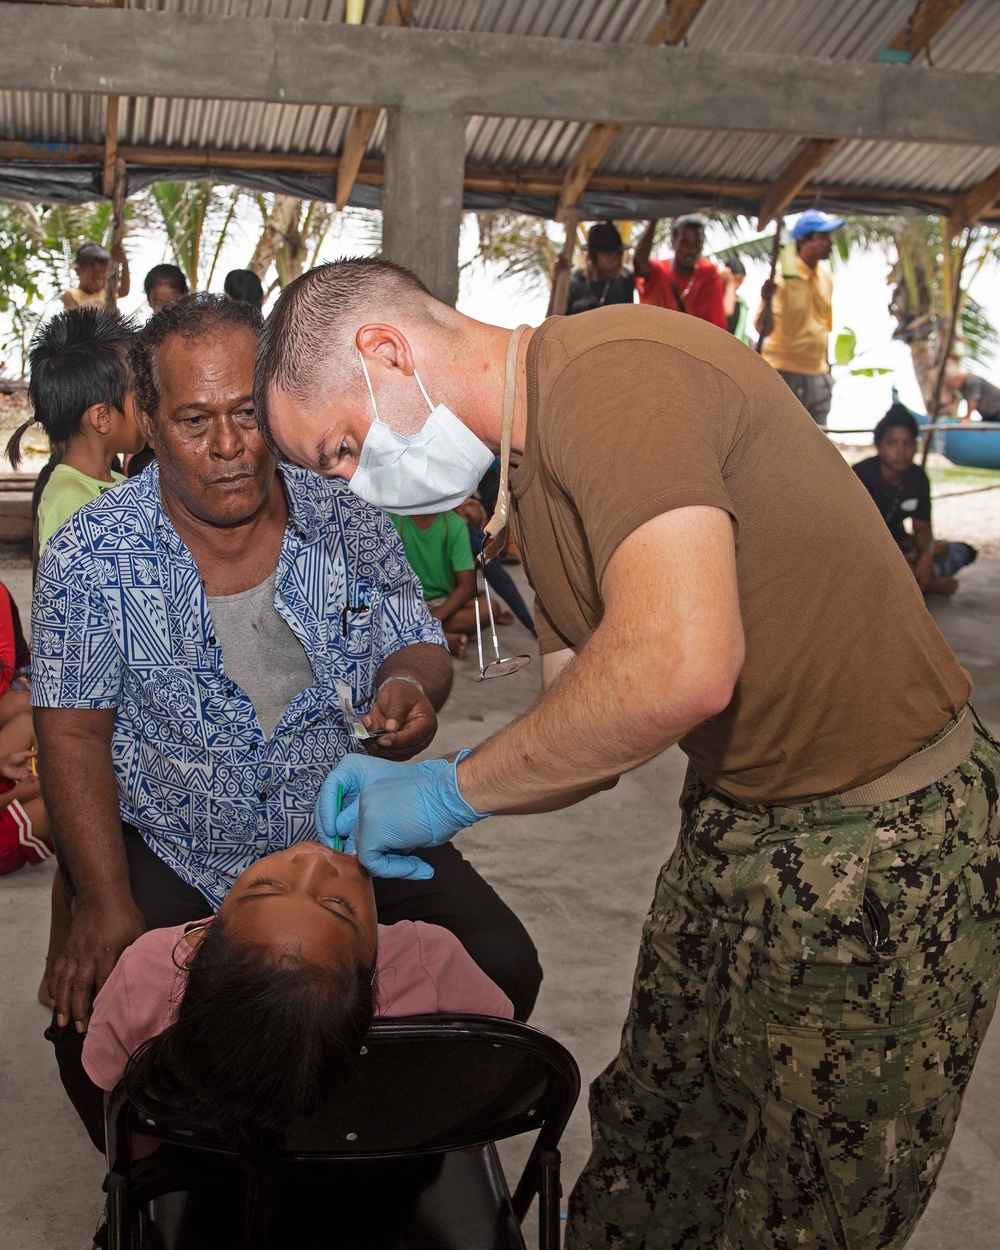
(37, 245)
(928, 271)
(196, 218)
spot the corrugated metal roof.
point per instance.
(829, 29)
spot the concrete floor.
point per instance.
(580, 879)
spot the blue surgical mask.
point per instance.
(432, 471)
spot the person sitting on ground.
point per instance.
(735, 306)
(901, 489)
(438, 548)
(163, 284)
(980, 395)
(236, 595)
(604, 279)
(92, 264)
(256, 1015)
(245, 287)
(690, 283)
(80, 392)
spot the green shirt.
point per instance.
(436, 554)
(65, 491)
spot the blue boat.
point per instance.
(965, 445)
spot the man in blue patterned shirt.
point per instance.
(188, 630)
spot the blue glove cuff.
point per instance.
(468, 814)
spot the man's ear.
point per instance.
(146, 425)
(98, 417)
(384, 345)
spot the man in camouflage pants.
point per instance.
(817, 968)
(813, 986)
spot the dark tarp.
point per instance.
(80, 184)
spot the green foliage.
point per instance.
(37, 246)
(522, 246)
(845, 346)
(195, 216)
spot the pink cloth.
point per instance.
(423, 970)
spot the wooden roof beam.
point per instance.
(974, 204)
(926, 20)
(670, 30)
(799, 171)
(399, 13)
(524, 182)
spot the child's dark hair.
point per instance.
(244, 285)
(898, 415)
(76, 360)
(257, 1040)
(189, 317)
(92, 254)
(166, 275)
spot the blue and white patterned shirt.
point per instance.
(120, 620)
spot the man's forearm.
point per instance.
(81, 797)
(590, 726)
(656, 666)
(640, 257)
(424, 662)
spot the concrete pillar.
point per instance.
(422, 195)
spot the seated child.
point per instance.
(901, 489)
(439, 551)
(80, 392)
(92, 264)
(252, 1017)
(163, 284)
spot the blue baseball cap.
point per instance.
(813, 220)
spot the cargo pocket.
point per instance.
(868, 1115)
(982, 883)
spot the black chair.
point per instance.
(403, 1157)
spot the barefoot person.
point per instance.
(809, 997)
(901, 490)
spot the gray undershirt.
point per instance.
(260, 652)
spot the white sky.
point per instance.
(861, 299)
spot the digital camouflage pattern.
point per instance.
(812, 990)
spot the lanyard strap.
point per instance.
(497, 523)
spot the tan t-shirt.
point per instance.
(635, 411)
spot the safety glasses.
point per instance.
(498, 666)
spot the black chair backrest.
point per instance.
(424, 1084)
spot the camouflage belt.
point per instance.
(919, 770)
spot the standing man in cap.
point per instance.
(604, 279)
(822, 955)
(797, 321)
(689, 283)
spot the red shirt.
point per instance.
(701, 293)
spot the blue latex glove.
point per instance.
(390, 808)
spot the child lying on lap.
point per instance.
(257, 1015)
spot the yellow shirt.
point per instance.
(803, 319)
(82, 299)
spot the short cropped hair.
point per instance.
(77, 360)
(897, 416)
(166, 275)
(92, 254)
(316, 317)
(190, 317)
